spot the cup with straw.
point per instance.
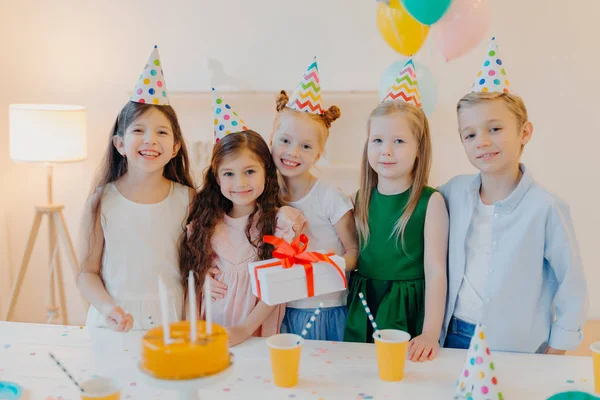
(100, 388)
(285, 349)
(390, 345)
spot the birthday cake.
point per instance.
(181, 358)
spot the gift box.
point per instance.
(294, 274)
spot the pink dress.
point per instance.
(233, 253)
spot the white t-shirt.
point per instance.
(323, 206)
(469, 304)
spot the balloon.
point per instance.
(427, 12)
(426, 80)
(462, 27)
(399, 29)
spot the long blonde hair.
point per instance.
(420, 172)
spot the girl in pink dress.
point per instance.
(237, 206)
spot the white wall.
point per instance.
(92, 52)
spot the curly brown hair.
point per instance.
(210, 206)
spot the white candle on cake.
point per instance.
(192, 300)
(207, 305)
(164, 310)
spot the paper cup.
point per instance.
(285, 351)
(391, 353)
(101, 389)
(596, 360)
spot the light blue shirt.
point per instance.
(535, 293)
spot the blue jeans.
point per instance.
(459, 334)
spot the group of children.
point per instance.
(494, 248)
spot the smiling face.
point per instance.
(241, 178)
(492, 137)
(392, 147)
(148, 142)
(296, 144)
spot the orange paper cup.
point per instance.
(391, 353)
(101, 389)
(285, 351)
(596, 360)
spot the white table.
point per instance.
(328, 370)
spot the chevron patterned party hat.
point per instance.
(492, 76)
(226, 120)
(151, 87)
(406, 87)
(307, 95)
(477, 379)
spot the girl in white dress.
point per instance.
(135, 214)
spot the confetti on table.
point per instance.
(291, 396)
(267, 381)
(133, 384)
(583, 380)
(240, 379)
(226, 389)
(570, 381)
(7, 346)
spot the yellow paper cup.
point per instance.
(391, 353)
(101, 389)
(285, 351)
(596, 360)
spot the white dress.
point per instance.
(140, 243)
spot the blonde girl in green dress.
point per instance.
(403, 231)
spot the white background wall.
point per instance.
(91, 53)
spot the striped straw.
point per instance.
(66, 372)
(311, 321)
(368, 311)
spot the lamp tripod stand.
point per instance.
(57, 224)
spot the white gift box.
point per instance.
(279, 285)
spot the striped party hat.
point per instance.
(226, 120)
(307, 95)
(151, 87)
(406, 87)
(492, 76)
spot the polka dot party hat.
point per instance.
(477, 380)
(151, 87)
(226, 120)
(492, 76)
(406, 87)
(307, 95)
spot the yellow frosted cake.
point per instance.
(182, 359)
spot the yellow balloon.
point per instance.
(400, 30)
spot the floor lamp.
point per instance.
(48, 134)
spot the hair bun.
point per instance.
(330, 115)
(282, 100)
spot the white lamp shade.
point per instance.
(47, 133)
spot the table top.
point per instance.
(328, 370)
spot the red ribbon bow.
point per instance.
(294, 253)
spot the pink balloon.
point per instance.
(462, 27)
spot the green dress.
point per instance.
(392, 280)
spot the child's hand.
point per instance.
(423, 347)
(118, 320)
(218, 290)
(237, 334)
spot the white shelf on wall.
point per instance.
(343, 153)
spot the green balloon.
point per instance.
(427, 12)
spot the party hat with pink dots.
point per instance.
(477, 380)
(226, 120)
(307, 95)
(492, 75)
(151, 87)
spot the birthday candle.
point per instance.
(164, 310)
(208, 306)
(192, 300)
